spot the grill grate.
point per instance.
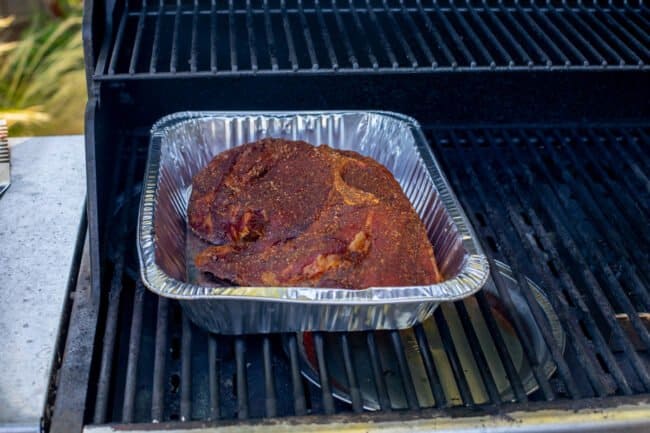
(176, 39)
(566, 207)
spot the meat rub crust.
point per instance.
(286, 213)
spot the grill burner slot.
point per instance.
(502, 174)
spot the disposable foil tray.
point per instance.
(183, 143)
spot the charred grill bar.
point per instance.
(538, 113)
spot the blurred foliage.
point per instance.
(42, 78)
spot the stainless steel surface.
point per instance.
(5, 158)
(39, 222)
(359, 350)
(183, 143)
(20, 428)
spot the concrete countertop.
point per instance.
(39, 221)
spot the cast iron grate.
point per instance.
(567, 207)
(153, 39)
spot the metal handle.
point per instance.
(4, 141)
(5, 163)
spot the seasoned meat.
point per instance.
(286, 213)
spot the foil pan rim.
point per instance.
(472, 277)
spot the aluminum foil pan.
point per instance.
(183, 143)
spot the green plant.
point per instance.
(42, 88)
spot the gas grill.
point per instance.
(537, 111)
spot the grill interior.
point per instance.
(239, 37)
(537, 111)
(565, 207)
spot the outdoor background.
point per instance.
(42, 83)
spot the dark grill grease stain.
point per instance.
(174, 383)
